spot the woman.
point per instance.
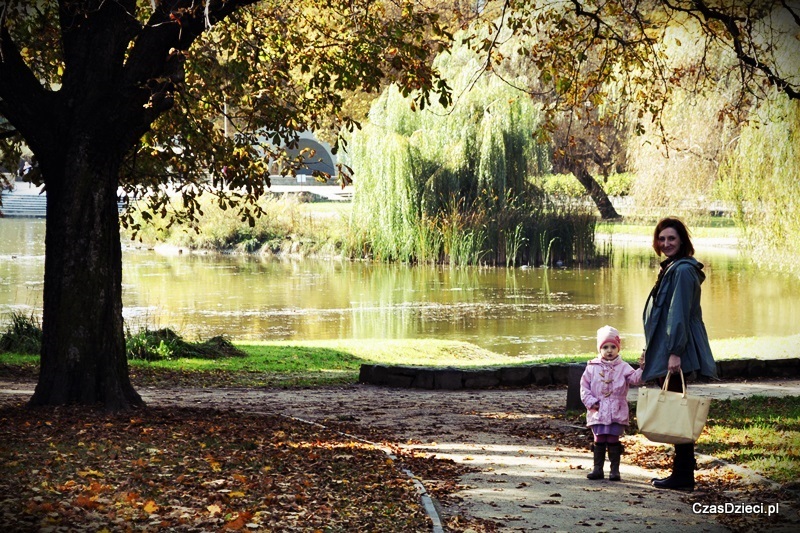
(675, 336)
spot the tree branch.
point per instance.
(792, 12)
(730, 23)
(154, 67)
(27, 105)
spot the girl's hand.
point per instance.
(641, 360)
(674, 364)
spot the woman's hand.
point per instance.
(674, 364)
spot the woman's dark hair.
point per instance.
(686, 249)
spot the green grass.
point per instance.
(399, 351)
(18, 359)
(329, 209)
(24, 334)
(723, 350)
(339, 361)
(336, 355)
(630, 356)
(713, 228)
(756, 348)
(297, 363)
(759, 432)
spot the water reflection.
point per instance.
(517, 312)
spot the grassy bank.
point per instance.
(163, 356)
(513, 234)
(317, 363)
(291, 225)
(760, 433)
(290, 363)
(707, 228)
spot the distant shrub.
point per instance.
(24, 335)
(165, 344)
(619, 184)
(566, 185)
(149, 345)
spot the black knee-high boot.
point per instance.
(614, 456)
(599, 449)
(683, 466)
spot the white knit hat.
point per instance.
(607, 334)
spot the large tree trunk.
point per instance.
(83, 358)
(596, 192)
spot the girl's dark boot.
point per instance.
(614, 455)
(599, 458)
(682, 477)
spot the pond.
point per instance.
(524, 312)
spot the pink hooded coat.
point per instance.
(607, 383)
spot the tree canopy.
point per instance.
(174, 96)
(579, 46)
(607, 70)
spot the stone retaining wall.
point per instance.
(550, 374)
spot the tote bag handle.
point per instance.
(683, 383)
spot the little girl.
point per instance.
(604, 392)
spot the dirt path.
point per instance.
(522, 480)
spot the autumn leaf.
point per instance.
(150, 507)
(87, 473)
(213, 463)
(239, 522)
(85, 502)
(214, 509)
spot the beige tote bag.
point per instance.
(671, 417)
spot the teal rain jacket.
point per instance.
(673, 322)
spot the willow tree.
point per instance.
(413, 166)
(131, 94)
(760, 179)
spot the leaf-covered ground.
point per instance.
(69, 469)
(53, 462)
